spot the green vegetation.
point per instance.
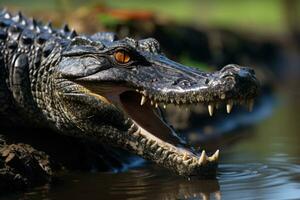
(108, 21)
(247, 15)
(264, 16)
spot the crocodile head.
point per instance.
(113, 90)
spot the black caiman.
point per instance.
(110, 90)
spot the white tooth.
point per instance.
(143, 100)
(215, 157)
(202, 159)
(250, 105)
(151, 102)
(165, 106)
(205, 196)
(156, 105)
(179, 160)
(229, 106)
(154, 145)
(175, 158)
(218, 195)
(137, 90)
(223, 96)
(211, 109)
(184, 156)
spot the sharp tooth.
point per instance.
(211, 109)
(205, 196)
(143, 100)
(229, 106)
(149, 142)
(218, 195)
(156, 105)
(223, 96)
(159, 150)
(184, 156)
(154, 145)
(175, 158)
(143, 141)
(215, 157)
(250, 105)
(179, 160)
(202, 159)
(165, 106)
(151, 102)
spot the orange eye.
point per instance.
(122, 57)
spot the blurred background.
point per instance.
(260, 150)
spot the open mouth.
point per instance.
(154, 139)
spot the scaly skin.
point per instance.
(110, 90)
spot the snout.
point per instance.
(238, 71)
(243, 79)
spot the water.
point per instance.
(265, 164)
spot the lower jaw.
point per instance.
(178, 160)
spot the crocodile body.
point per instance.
(109, 89)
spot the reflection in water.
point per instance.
(136, 184)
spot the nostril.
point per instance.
(251, 71)
(229, 77)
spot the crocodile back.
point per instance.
(25, 45)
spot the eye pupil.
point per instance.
(122, 57)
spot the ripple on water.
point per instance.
(275, 173)
(139, 184)
(277, 176)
